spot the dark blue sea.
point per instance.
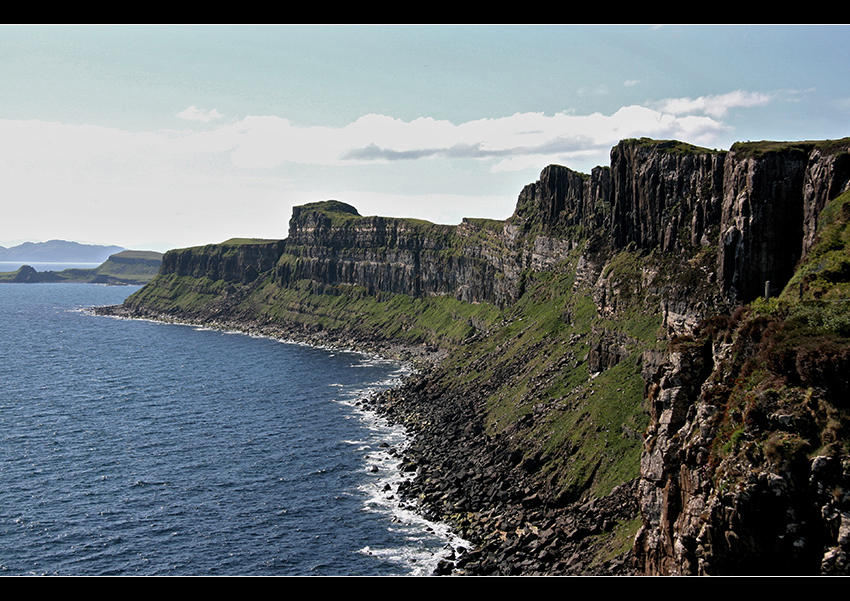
(133, 447)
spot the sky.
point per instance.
(169, 136)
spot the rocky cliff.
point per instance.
(632, 375)
(330, 242)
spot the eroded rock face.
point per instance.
(662, 196)
(562, 199)
(758, 208)
(771, 202)
(758, 213)
(669, 231)
(228, 262)
(729, 485)
(762, 222)
(400, 256)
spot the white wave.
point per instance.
(428, 542)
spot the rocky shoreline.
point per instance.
(481, 486)
(464, 477)
(417, 356)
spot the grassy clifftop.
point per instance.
(564, 348)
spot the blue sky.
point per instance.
(171, 136)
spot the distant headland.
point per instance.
(127, 267)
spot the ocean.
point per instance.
(132, 447)
(41, 266)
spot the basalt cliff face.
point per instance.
(331, 243)
(639, 371)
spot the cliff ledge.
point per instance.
(642, 371)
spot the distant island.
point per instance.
(58, 251)
(127, 267)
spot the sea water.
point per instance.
(42, 266)
(133, 447)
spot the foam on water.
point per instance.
(426, 542)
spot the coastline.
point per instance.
(460, 477)
(418, 356)
(481, 486)
(410, 359)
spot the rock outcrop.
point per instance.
(329, 242)
(232, 261)
(592, 347)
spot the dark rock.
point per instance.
(698, 231)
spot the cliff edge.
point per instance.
(634, 373)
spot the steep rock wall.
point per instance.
(757, 204)
(737, 475)
(332, 244)
(668, 230)
(230, 262)
(562, 200)
(757, 208)
(663, 190)
(746, 465)
(771, 199)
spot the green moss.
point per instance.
(247, 241)
(174, 293)
(765, 147)
(818, 294)
(616, 542)
(534, 372)
(825, 272)
(669, 146)
(330, 206)
(493, 225)
(341, 310)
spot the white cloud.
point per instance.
(523, 138)
(267, 142)
(193, 113)
(213, 183)
(631, 82)
(716, 106)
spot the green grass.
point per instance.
(528, 360)
(791, 354)
(534, 369)
(761, 148)
(344, 310)
(825, 272)
(247, 241)
(669, 146)
(618, 541)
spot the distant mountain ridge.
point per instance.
(58, 251)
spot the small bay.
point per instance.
(140, 448)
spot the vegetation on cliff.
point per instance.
(322, 314)
(760, 148)
(596, 385)
(762, 447)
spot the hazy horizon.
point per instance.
(158, 137)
